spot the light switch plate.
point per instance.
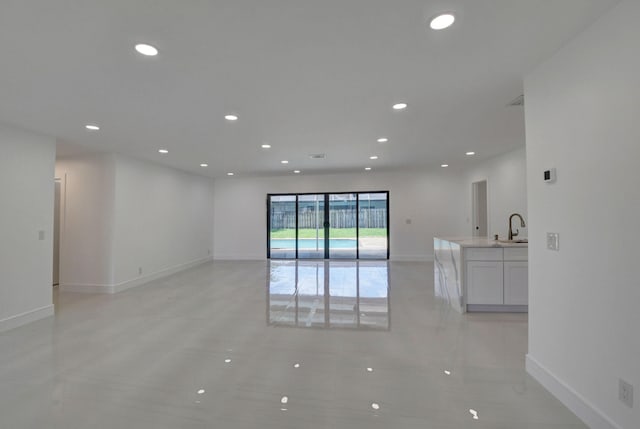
(625, 393)
(553, 241)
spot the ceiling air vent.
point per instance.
(518, 101)
(317, 156)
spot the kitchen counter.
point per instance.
(482, 242)
(481, 274)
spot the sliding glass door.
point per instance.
(372, 225)
(311, 226)
(343, 238)
(345, 225)
(282, 226)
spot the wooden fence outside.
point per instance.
(369, 218)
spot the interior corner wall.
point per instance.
(423, 204)
(582, 117)
(86, 222)
(26, 257)
(125, 222)
(506, 177)
(163, 221)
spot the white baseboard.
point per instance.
(26, 317)
(412, 258)
(128, 284)
(587, 412)
(85, 288)
(238, 257)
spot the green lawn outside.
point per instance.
(333, 233)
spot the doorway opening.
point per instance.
(479, 208)
(342, 225)
(56, 232)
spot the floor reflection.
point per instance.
(329, 294)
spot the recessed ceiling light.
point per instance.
(442, 21)
(266, 146)
(92, 127)
(470, 153)
(284, 161)
(383, 140)
(231, 117)
(373, 157)
(368, 168)
(204, 165)
(163, 151)
(148, 50)
(444, 165)
(229, 174)
(399, 106)
(296, 171)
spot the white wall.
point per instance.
(506, 177)
(431, 200)
(120, 214)
(163, 219)
(86, 221)
(26, 262)
(582, 117)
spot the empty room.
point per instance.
(319, 214)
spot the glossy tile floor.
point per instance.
(329, 294)
(218, 346)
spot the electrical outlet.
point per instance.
(625, 393)
(139, 271)
(553, 241)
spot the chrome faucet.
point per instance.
(522, 224)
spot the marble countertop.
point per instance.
(481, 242)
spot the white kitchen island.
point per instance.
(480, 274)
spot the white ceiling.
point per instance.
(306, 76)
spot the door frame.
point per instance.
(327, 219)
(480, 208)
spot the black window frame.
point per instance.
(327, 219)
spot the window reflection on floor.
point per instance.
(329, 294)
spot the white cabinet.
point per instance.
(483, 254)
(516, 283)
(496, 279)
(485, 282)
(516, 254)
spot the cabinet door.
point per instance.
(483, 254)
(516, 283)
(484, 282)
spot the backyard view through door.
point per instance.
(345, 225)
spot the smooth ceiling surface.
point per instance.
(305, 76)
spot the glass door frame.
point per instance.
(326, 222)
(327, 199)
